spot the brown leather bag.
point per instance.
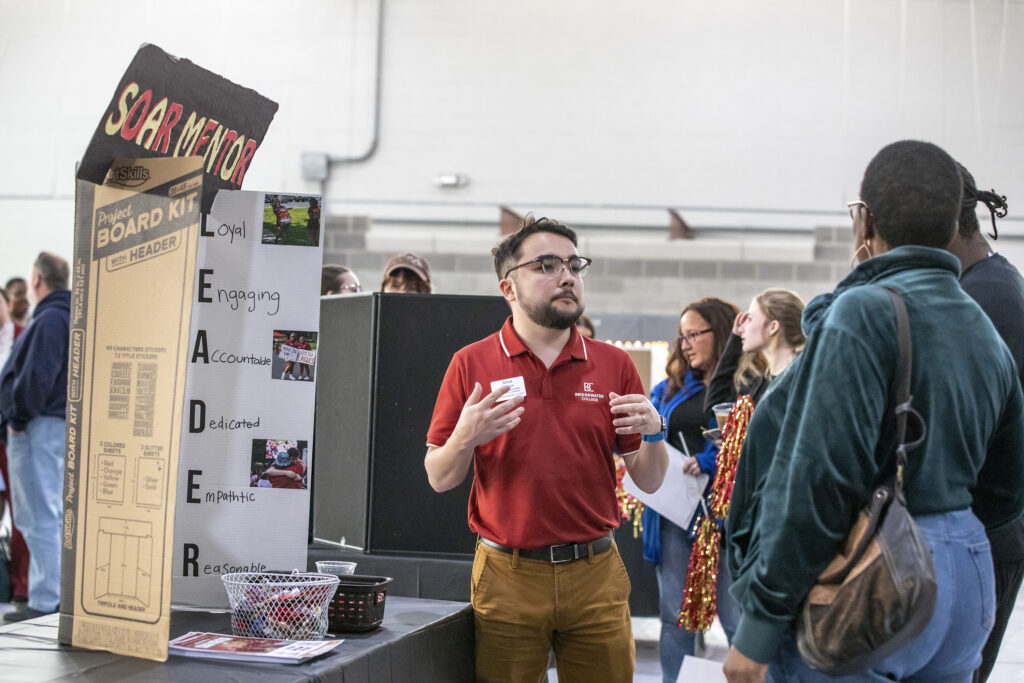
(878, 593)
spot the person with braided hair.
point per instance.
(998, 288)
(986, 276)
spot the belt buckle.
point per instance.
(575, 553)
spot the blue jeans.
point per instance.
(676, 642)
(949, 649)
(35, 459)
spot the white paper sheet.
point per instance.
(697, 670)
(679, 495)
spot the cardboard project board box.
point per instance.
(133, 274)
(382, 359)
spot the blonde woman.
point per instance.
(765, 339)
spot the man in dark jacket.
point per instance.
(998, 287)
(33, 391)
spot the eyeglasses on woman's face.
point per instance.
(552, 265)
(690, 338)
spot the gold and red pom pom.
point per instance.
(700, 595)
(630, 508)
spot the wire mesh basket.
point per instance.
(286, 606)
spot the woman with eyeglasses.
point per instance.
(335, 279)
(703, 331)
(765, 340)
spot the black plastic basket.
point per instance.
(358, 603)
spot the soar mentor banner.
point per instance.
(134, 269)
(243, 487)
(166, 106)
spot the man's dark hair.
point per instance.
(913, 192)
(15, 281)
(507, 253)
(294, 452)
(993, 201)
(53, 270)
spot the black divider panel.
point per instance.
(341, 450)
(416, 338)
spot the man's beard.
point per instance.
(546, 315)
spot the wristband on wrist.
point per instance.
(660, 435)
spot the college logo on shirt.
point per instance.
(588, 393)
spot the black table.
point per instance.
(419, 640)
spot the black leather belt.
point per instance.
(556, 554)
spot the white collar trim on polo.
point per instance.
(583, 341)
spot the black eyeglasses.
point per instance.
(552, 265)
(689, 339)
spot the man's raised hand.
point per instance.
(485, 417)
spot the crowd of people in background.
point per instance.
(406, 273)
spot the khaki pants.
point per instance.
(525, 608)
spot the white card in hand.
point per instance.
(516, 387)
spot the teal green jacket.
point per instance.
(823, 436)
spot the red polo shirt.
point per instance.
(551, 479)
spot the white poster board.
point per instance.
(256, 292)
(679, 495)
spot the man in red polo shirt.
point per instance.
(540, 412)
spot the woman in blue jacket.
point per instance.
(704, 328)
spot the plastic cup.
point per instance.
(722, 411)
(335, 567)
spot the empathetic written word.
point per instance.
(217, 497)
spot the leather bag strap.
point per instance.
(904, 409)
(880, 499)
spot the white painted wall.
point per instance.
(570, 107)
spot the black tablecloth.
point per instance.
(419, 640)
